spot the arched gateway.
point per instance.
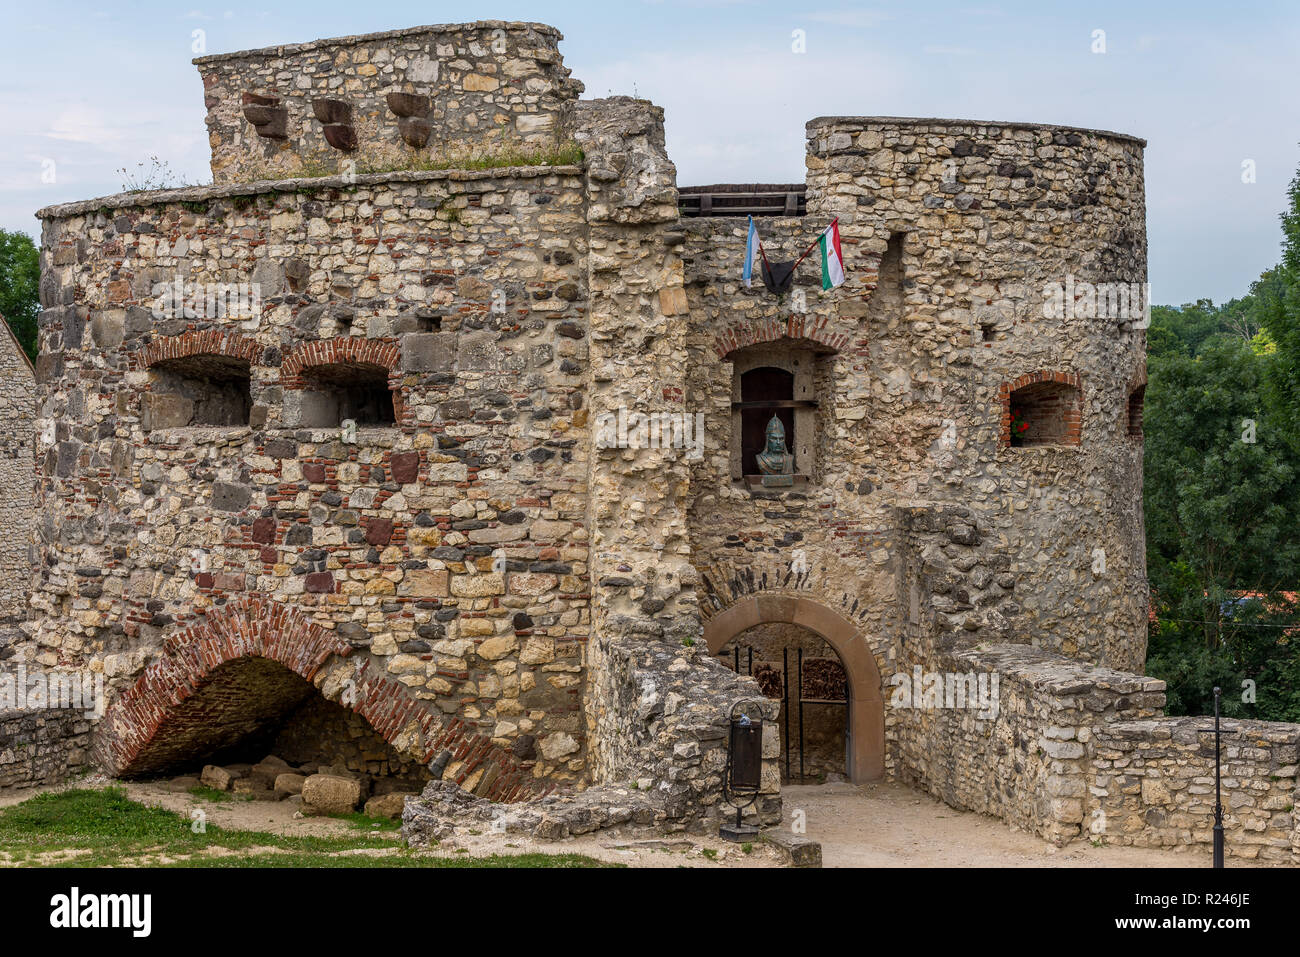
(866, 725)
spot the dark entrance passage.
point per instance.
(252, 708)
(800, 669)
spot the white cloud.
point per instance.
(81, 124)
(850, 18)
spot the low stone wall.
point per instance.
(42, 746)
(1075, 751)
(1030, 763)
(1153, 786)
(658, 716)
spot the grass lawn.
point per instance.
(104, 828)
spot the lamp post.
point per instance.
(1218, 787)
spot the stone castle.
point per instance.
(320, 466)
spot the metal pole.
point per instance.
(800, 680)
(785, 705)
(1218, 789)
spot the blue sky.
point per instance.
(96, 87)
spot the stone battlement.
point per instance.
(388, 100)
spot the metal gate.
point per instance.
(799, 700)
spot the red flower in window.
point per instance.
(1018, 423)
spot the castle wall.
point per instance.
(470, 90)
(990, 216)
(17, 383)
(485, 577)
(658, 707)
(449, 549)
(40, 746)
(919, 521)
(1077, 752)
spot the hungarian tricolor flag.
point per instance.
(832, 257)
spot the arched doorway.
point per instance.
(866, 708)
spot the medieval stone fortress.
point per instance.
(317, 471)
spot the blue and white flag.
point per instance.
(751, 244)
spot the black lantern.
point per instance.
(744, 766)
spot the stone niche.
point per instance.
(199, 390)
(1046, 413)
(338, 392)
(778, 379)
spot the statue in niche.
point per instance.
(775, 461)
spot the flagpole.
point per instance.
(814, 243)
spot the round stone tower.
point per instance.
(965, 409)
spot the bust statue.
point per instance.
(775, 461)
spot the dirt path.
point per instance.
(888, 825)
(880, 825)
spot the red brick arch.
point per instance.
(816, 329)
(210, 342)
(382, 353)
(252, 628)
(260, 628)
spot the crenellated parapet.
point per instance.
(443, 95)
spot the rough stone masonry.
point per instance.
(328, 424)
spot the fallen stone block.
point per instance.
(289, 783)
(796, 851)
(331, 794)
(387, 806)
(219, 779)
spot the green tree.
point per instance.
(20, 279)
(1278, 293)
(1222, 498)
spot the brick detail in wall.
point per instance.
(815, 328)
(1132, 419)
(209, 342)
(384, 353)
(255, 627)
(1072, 428)
(387, 705)
(273, 630)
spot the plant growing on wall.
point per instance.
(1018, 425)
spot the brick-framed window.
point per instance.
(329, 381)
(1042, 408)
(198, 379)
